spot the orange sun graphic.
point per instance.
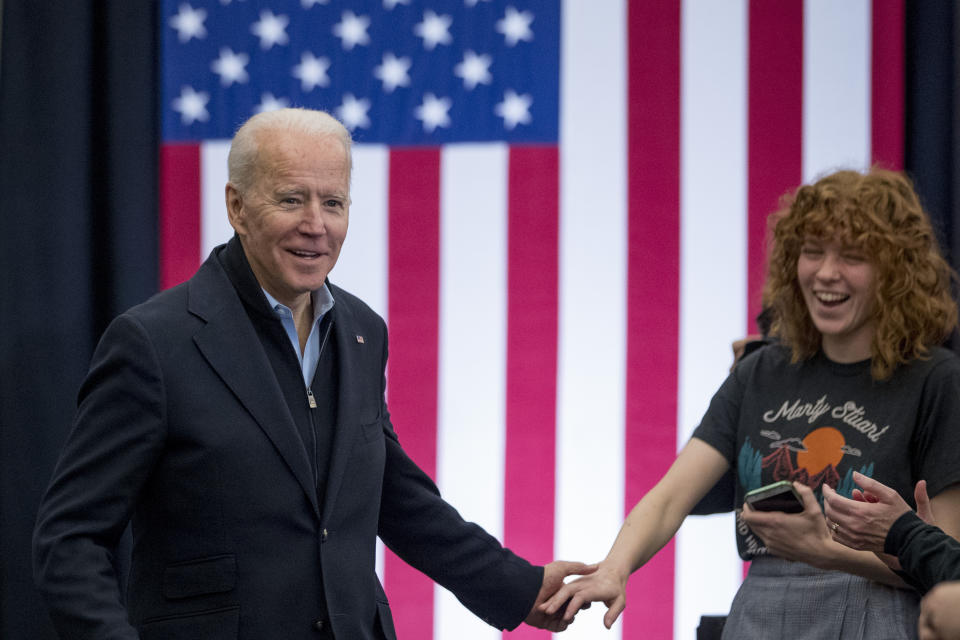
(824, 446)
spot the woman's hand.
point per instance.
(864, 521)
(801, 536)
(605, 585)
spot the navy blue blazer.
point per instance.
(182, 430)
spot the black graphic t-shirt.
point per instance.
(818, 421)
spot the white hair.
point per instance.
(245, 146)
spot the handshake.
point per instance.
(558, 602)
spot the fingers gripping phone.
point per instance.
(779, 496)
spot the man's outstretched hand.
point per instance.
(553, 576)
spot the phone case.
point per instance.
(779, 496)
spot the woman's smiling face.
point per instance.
(838, 284)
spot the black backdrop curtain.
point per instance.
(77, 236)
(78, 142)
(932, 145)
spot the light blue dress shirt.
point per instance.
(322, 303)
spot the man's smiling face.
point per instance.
(293, 220)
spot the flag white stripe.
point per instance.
(592, 287)
(713, 199)
(362, 266)
(713, 203)
(836, 86)
(472, 368)
(215, 226)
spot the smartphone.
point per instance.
(779, 496)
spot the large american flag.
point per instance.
(558, 207)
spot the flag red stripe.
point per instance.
(179, 212)
(414, 314)
(887, 84)
(775, 128)
(653, 286)
(531, 380)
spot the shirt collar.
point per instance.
(321, 299)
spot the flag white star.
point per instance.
(192, 106)
(308, 4)
(189, 23)
(230, 67)
(312, 71)
(271, 29)
(474, 70)
(269, 103)
(392, 72)
(434, 30)
(514, 109)
(390, 4)
(515, 26)
(352, 30)
(473, 3)
(433, 112)
(353, 112)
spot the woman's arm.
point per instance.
(648, 527)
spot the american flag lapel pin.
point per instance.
(360, 339)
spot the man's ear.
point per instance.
(235, 213)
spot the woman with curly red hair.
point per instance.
(855, 381)
(879, 216)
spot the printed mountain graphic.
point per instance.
(828, 476)
(783, 469)
(782, 464)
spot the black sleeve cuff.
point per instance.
(899, 533)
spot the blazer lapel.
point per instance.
(231, 346)
(347, 404)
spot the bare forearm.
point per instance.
(650, 525)
(837, 557)
(656, 518)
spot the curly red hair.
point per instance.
(879, 213)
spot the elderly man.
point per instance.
(238, 421)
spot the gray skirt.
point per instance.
(783, 599)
